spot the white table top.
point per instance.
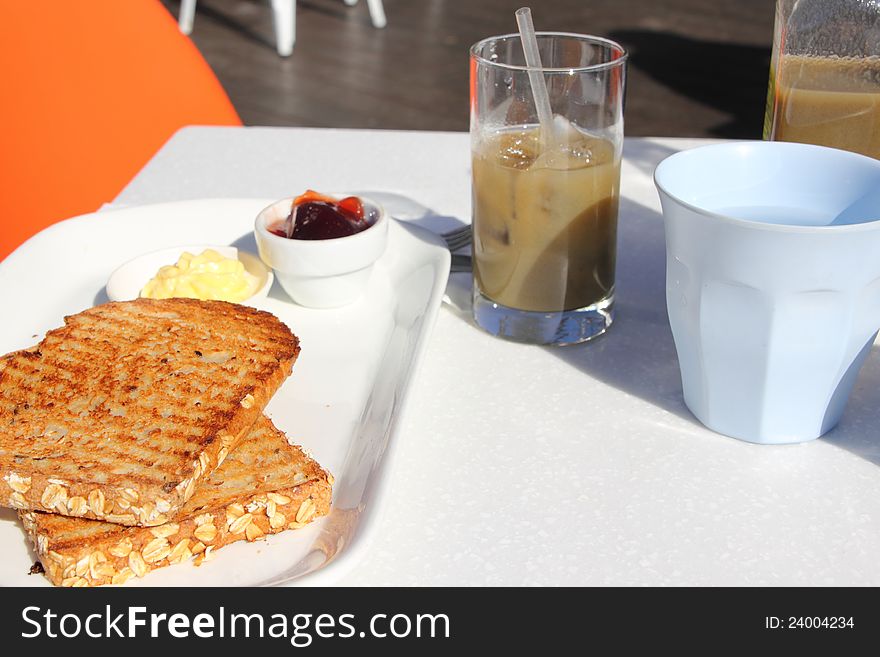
(570, 466)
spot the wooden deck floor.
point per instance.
(696, 69)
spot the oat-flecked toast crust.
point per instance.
(119, 413)
(264, 487)
(135, 551)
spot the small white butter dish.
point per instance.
(130, 278)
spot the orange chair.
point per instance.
(91, 90)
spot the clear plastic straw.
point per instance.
(536, 77)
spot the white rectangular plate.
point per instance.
(341, 403)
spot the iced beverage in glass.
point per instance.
(545, 202)
(545, 221)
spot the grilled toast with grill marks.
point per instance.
(119, 413)
(264, 487)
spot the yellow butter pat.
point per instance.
(208, 276)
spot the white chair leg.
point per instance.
(351, 3)
(187, 16)
(284, 13)
(377, 13)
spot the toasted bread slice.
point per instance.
(118, 414)
(264, 487)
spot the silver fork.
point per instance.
(458, 238)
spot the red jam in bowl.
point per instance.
(315, 216)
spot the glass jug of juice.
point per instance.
(825, 75)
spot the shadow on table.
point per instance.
(412, 211)
(637, 355)
(857, 431)
(645, 155)
(729, 77)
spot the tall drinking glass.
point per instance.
(545, 202)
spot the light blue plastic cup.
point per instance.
(772, 283)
